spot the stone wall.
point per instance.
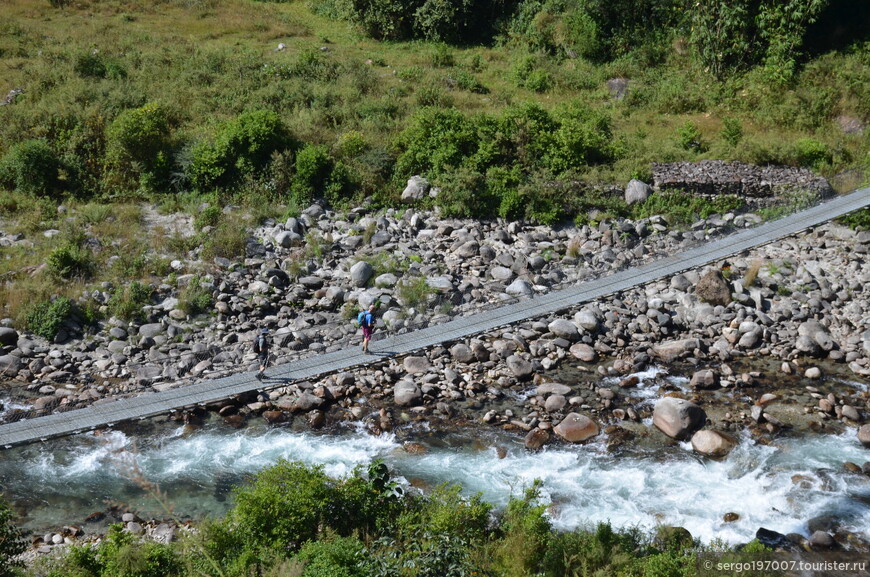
(754, 183)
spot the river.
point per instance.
(780, 485)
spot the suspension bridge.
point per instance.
(107, 414)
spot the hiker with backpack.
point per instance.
(261, 347)
(366, 320)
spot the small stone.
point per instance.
(813, 373)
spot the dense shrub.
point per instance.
(812, 153)
(32, 167)
(47, 317)
(241, 147)
(96, 65)
(139, 148)
(70, 261)
(127, 302)
(335, 556)
(11, 542)
(454, 21)
(195, 299)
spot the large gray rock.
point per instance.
(520, 367)
(8, 337)
(9, 366)
(360, 273)
(555, 403)
(670, 351)
(461, 353)
(678, 418)
(519, 288)
(468, 249)
(576, 428)
(583, 352)
(565, 329)
(704, 379)
(307, 401)
(715, 444)
(407, 394)
(587, 320)
(287, 238)
(416, 189)
(552, 388)
(151, 330)
(416, 365)
(818, 334)
(713, 288)
(637, 191)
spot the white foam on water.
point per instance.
(583, 484)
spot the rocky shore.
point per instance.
(801, 304)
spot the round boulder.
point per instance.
(678, 418)
(8, 337)
(415, 365)
(565, 329)
(576, 428)
(520, 367)
(715, 444)
(360, 273)
(536, 438)
(583, 352)
(864, 435)
(9, 365)
(407, 394)
(461, 353)
(704, 379)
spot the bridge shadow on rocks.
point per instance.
(206, 392)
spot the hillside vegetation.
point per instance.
(520, 110)
(295, 521)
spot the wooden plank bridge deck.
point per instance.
(209, 391)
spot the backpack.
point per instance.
(364, 319)
(259, 343)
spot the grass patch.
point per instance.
(682, 209)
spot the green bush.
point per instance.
(526, 534)
(32, 167)
(313, 168)
(335, 556)
(95, 65)
(240, 147)
(47, 317)
(812, 153)
(689, 137)
(858, 220)
(732, 130)
(70, 261)
(583, 137)
(682, 209)
(195, 299)
(12, 542)
(210, 215)
(120, 555)
(289, 504)
(127, 302)
(227, 240)
(139, 148)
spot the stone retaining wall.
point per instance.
(754, 183)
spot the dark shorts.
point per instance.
(367, 332)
